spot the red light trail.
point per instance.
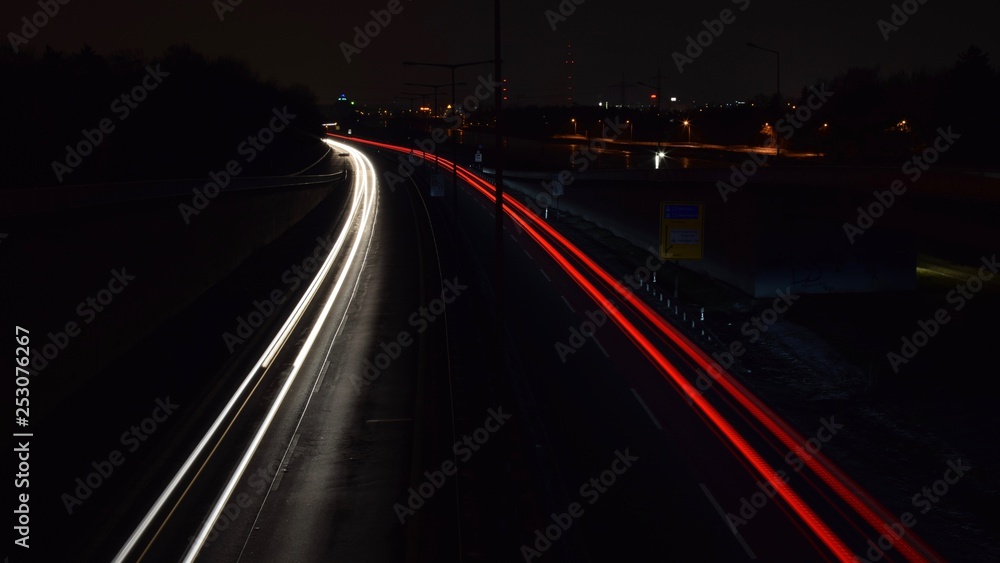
(910, 546)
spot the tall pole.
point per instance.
(777, 141)
(499, 193)
(423, 97)
(454, 145)
(623, 91)
(454, 148)
(659, 89)
(437, 109)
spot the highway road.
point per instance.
(379, 417)
(634, 382)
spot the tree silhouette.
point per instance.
(190, 124)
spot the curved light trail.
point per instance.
(357, 230)
(879, 518)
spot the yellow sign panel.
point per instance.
(682, 230)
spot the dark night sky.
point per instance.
(299, 41)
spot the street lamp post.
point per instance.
(435, 88)
(498, 212)
(454, 107)
(688, 125)
(777, 143)
(422, 97)
(411, 99)
(574, 126)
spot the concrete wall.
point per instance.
(785, 228)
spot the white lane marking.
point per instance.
(567, 303)
(603, 351)
(545, 275)
(729, 524)
(646, 408)
(322, 374)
